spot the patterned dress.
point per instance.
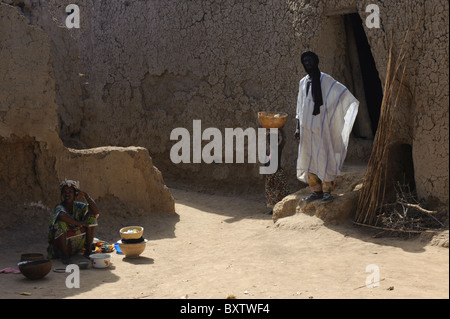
(275, 188)
(76, 235)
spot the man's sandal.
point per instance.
(314, 196)
(327, 197)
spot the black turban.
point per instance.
(315, 81)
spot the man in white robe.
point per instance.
(326, 111)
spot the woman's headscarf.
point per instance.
(69, 183)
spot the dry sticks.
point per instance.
(372, 194)
(405, 214)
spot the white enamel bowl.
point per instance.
(100, 260)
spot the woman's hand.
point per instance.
(69, 220)
(93, 209)
(82, 194)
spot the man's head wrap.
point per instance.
(314, 74)
(311, 54)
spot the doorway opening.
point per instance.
(366, 80)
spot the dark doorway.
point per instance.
(400, 179)
(371, 83)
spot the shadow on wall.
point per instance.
(24, 164)
(400, 170)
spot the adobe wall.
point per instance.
(150, 67)
(33, 159)
(135, 70)
(28, 118)
(421, 116)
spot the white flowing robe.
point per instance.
(324, 137)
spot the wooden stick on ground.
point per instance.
(400, 230)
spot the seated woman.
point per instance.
(72, 225)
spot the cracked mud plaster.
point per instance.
(32, 157)
(151, 66)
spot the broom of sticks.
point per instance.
(372, 194)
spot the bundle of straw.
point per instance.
(372, 194)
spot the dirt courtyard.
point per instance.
(217, 246)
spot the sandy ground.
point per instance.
(217, 246)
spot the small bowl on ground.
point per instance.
(131, 232)
(100, 260)
(272, 119)
(132, 250)
(84, 264)
(35, 269)
(31, 257)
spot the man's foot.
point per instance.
(66, 260)
(314, 196)
(327, 197)
(270, 213)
